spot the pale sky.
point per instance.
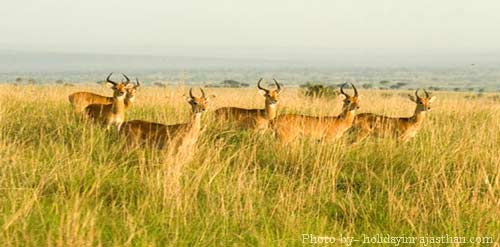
(159, 26)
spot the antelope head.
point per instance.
(119, 89)
(272, 96)
(351, 102)
(423, 103)
(198, 104)
(131, 88)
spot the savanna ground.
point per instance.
(64, 182)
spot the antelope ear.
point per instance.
(262, 92)
(433, 98)
(129, 86)
(412, 98)
(110, 85)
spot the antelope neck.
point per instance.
(347, 115)
(271, 111)
(418, 116)
(118, 105)
(196, 121)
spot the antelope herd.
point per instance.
(110, 111)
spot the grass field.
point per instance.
(64, 182)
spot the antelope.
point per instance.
(160, 135)
(402, 127)
(114, 113)
(80, 100)
(254, 118)
(288, 127)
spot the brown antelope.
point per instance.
(114, 113)
(254, 118)
(160, 135)
(288, 127)
(80, 100)
(404, 127)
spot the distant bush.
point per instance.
(435, 88)
(401, 84)
(367, 86)
(160, 84)
(32, 81)
(319, 90)
(398, 85)
(229, 84)
(233, 84)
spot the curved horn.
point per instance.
(342, 89)
(355, 90)
(110, 81)
(191, 93)
(416, 93)
(277, 85)
(138, 83)
(260, 87)
(426, 93)
(202, 93)
(128, 80)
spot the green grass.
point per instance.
(65, 182)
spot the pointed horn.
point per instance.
(191, 93)
(260, 87)
(128, 80)
(416, 93)
(138, 83)
(426, 93)
(109, 80)
(202, 93)
(355, 90)
(342, 89)
(277, 85)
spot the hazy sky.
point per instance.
(159, 26)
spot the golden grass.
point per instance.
(67, 183)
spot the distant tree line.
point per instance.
(229, 84)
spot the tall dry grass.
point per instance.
(64, 182)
